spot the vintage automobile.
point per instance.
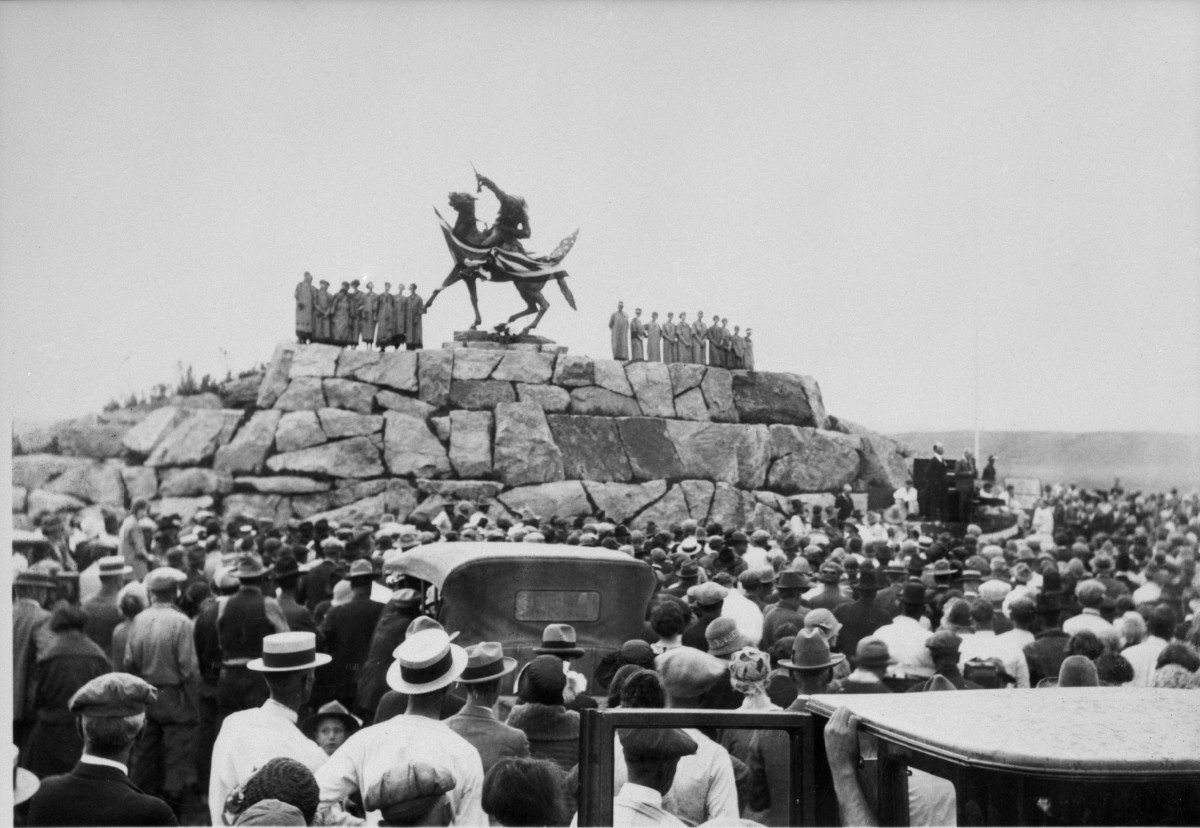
(1070, 756)
(509, 592)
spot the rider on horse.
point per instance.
(512, 223)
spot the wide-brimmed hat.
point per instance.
(360, 569)
(249, 565)
(791, 579)
(485, 662)
(331, 710)
(810, 651)
(913, 593)
(823, 619)
(285, 652)
(559, 640)
(112, 566)
(872, 654)
(286, 566)
(426, 661)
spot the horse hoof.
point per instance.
(474, 327)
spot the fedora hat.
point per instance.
(285, 652)
(872, 653)
(249, 565)
(811, 652)
(914, 593)
(868, 579)
(331, 710)
(426, 661)
(791, 579)
(361, 569)
(113, 566)
(486, 661)
(559, 640)
(286, 566)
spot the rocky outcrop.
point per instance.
(355, 435)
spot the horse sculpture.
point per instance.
(507, 263)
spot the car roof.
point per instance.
(1052, 731)
(434, 562)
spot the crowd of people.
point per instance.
(285, 675)
(671, 341)
(353, 316)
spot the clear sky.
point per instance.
(869, 186)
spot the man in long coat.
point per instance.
(400, 309)
(670, 340)
(683, 335)
(413, 311)
(748, 356)
(618, 323)
(699, 337)
(356, 309)
(385, 318)
(368, 315)
(637, 337)
(737, 349)
(322, 313)
(654, 339)
(716, 355)
(304, 308)
(340, 314)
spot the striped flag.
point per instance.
(507, 265)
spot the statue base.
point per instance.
(492, 341)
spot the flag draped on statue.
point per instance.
(505, 265)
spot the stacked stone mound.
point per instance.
(352, 435)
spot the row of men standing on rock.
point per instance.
(350, 315)
(635, 340)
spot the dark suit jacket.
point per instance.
(96, 795)
(492, 738)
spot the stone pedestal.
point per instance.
(490, 341)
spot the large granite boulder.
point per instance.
(410, 448)
(812, 392)
(193, 483)
(477, 491)
(399, 499)
(698, 494)
(565, 498)
(621, 501)
(240, 392)
(471, 443)
(270, 506)
(356, 457)
(480, 395)
(690, 405)
(731, 507)
(402, 404)
(735, 454)
(196, 438)
(573, 371)
(184, 507)
(315, 360)
(525, 366)
(349, 395)
(651, 382)
(611, 375)
(591, 448)
(40, 501)
(31, 471)
(143, 437)
(396, 370)
(206, 399)
(275, 380)
(343, 493)
(99, 436)
(651, 453)
(303, 394)
(811, 460)
(525, 451)
(717, 387)
(351, 362)
(550, 398)
(337, 423)
(670, 508)
(434, 372)
(247, 451)
(883, 464)
(282, 484)
(298, 430)
(770, 398)
(685, 377)
(141, 483)
(475, 364)
(94, 483)
(603, 402)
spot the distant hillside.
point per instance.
(1143, 460)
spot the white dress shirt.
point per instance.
(905, 639)
(247, 741)
(704, 787)
(1089, 619)
(637, 805)
(986, 644)
(367, 755)
(1144, 659)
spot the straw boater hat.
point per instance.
(285, 652)
(426, 661)
(486, 661)
(559, 640)
(113, 566)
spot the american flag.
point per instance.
(506, 265)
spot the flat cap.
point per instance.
(164, 577)
(113, 695)
(408, 792)
(944, 642)
(650, 743)
(687, 672)
(710, 593)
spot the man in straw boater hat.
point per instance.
(250, 738)
(110, 712)
(103, 613)
(427, 664)
(477, 721)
